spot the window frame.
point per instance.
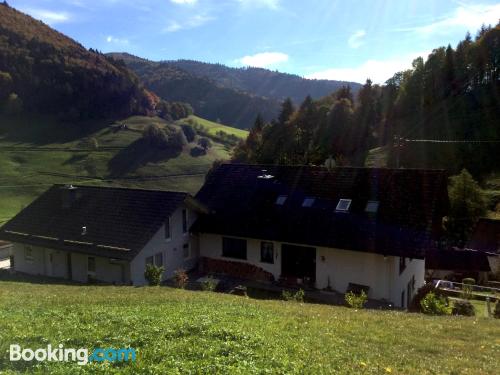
(263, 259)
(28, 254)
(307, 200)
(89, 271)
(185, 229)
(167, 224)
(232, 253)
(184, 247)
(374, 205)
(155, 257)
(343, 200)
(281, 200)
(149, 260)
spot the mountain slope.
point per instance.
(263, 82)
(209, 99)
(42, 70)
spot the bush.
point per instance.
(153, 274)
(209, 284)
(463, 307)
(496, 313)
(356, 301)
(176, 140)
(180, 278)
(290, 296)
(189, 132)
(204, 143)
(155, 137)
(433, 304)
(415, 305)
(467, 287)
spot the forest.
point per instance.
(442, 113)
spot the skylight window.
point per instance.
(280, 201)
(343, 205)
(372, 207)
(308, 202)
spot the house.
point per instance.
(84, 233)
(340, 229)
(486, 237)
(456, 264)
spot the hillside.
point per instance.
(38, 151)
(177, 331)
(42, 70)
(208, 99)
(264, 82)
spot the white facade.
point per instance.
(75, 266)
(337, 268)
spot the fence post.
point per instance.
(488, 305)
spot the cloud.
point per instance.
(271, 4)
(191, 23)
(114, 40)
(378, 71)
(467, 17)
(48, 16)
(356, 39)
(184, 2)
(264, 59)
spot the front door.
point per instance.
(298, 262)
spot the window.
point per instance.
(91, 265)
(343, 205)
(402, 264)
(185, 251)
(372, 207)
(308, 202)
(280, 201)
(234, 248)
(159, 260)
(28, 254)
(184, 221)
(167, 228)
(267, 252)
(149, 260)
(403, 299)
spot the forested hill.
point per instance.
(42, 70)
(264, 82)
(208, 98)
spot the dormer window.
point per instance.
(343, 205)
(372, 207)
(308, 202)
(280, 201)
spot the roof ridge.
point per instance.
(296, 166)
(124, 188)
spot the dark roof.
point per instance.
(243, 202)
(486, 236)
(458, 260)
(119, 221)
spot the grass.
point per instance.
(176, 331)
(37, 151)
(214, 127)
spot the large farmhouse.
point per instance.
(339, 229)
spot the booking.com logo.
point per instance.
(62, 354)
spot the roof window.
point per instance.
(372, 207)
(280, 201)
(343, 205)
(308, 202)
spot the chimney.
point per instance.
(68, 196)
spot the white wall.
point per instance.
(172, 249)
(342, 267)
(211, 247)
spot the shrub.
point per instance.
(153, 274)
(155, 136)
(204, 143)
(463, 307)
(356, 301)
(209, 284)
(176, 140)
(496, 313)
(290, 296)
(189, 132)
(180, 278)
(433, 304)
(415, 305)
(467, 287)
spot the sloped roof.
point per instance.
(119, 221)
(486, 236)
(242, 198)
(454, 259)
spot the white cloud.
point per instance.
(184, 2)
(378, 71)
(264, 59)
(114, 40)
(271, 4)
(48, 16)
(467, 17)
(190, 23)
(356, 39)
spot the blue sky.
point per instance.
(346, 40)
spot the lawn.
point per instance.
(37, 151)
(175, 331)
(214, 127)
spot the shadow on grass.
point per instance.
(136, 155)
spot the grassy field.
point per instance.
(176, 331)
(214, 127)
(36, 152)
